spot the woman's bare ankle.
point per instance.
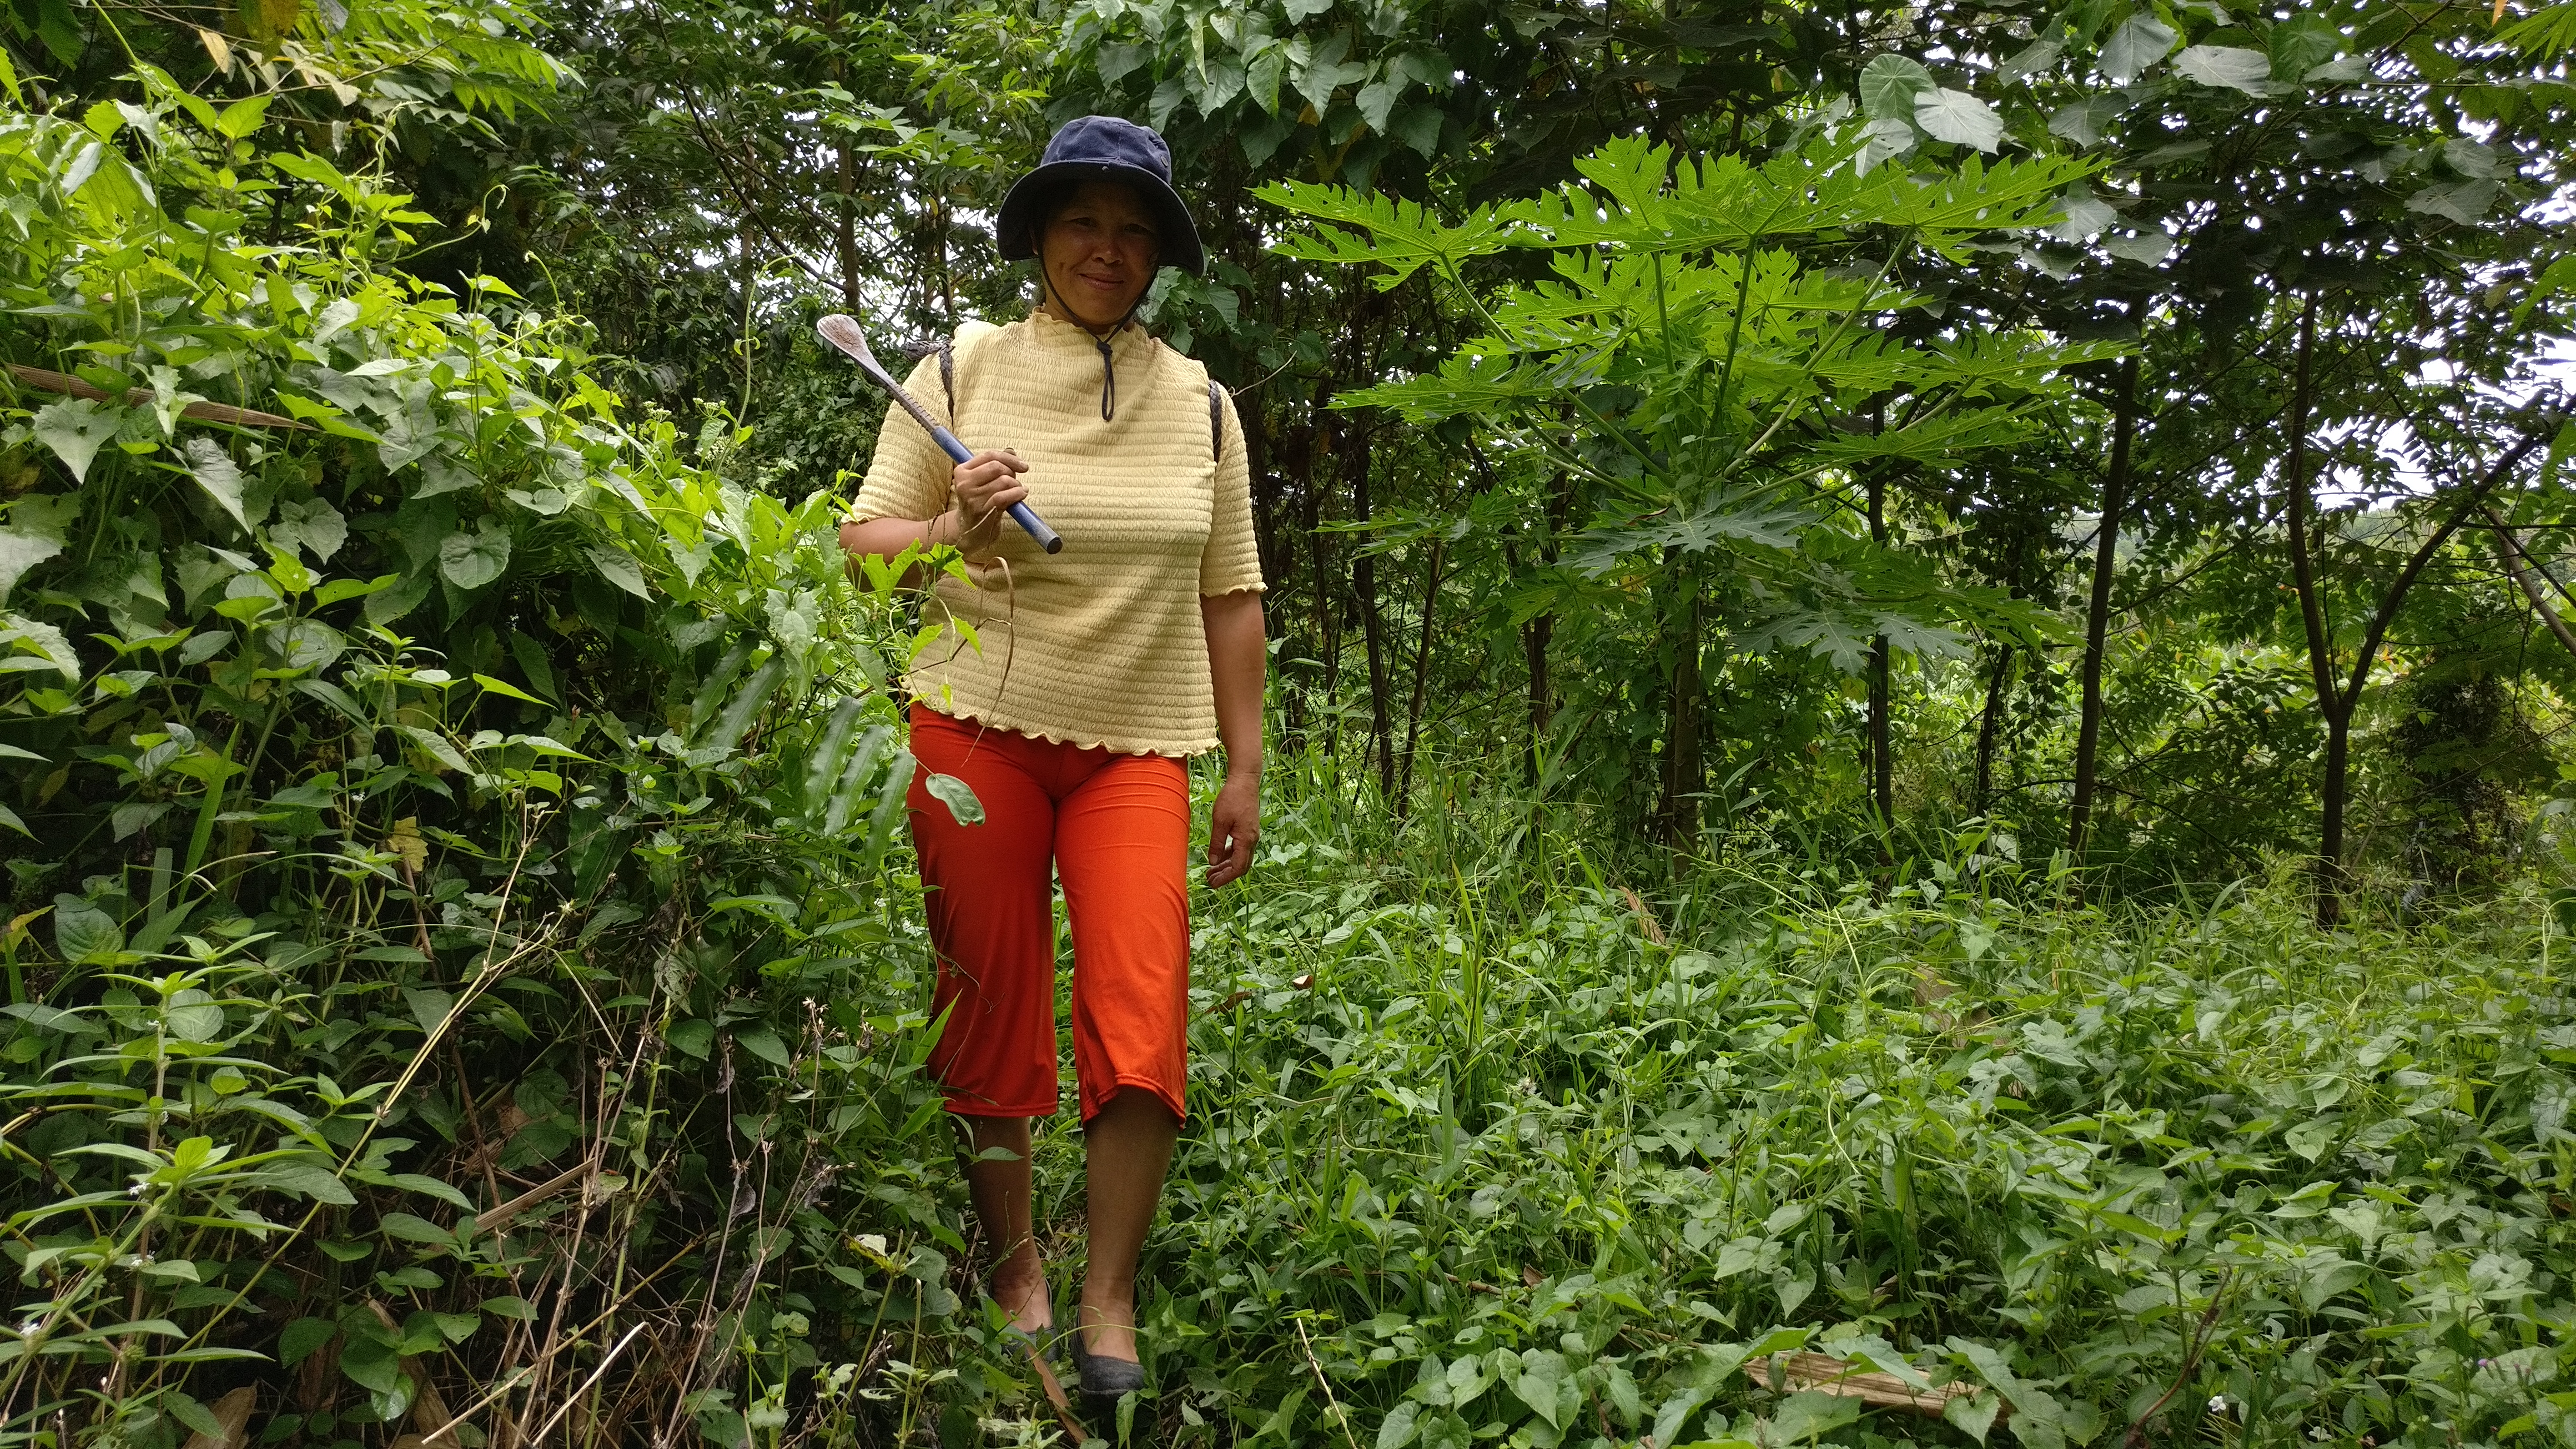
(1109, 1327)
(1019, 1284)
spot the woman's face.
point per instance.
(1098, 250)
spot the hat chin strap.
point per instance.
(1108, 364)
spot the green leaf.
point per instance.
(958, 796)
(763, 1043)
(76, 428)
(1398, 1428)
(511, 691)
(214, 470)
(509, 1307)
(9, 818)
(619, 569)
(429, 1006)
(307, 1179)
(314, 526)
(1974, 1414)
(2140, 42)
(83, 932)
(193, 1414)
(1958, 118)
(19, 552)
(2228, 67)
(1889, 84)
(303, 1337)
(339, 589)
(472, 561)
(416, 1230)
(695, 1037)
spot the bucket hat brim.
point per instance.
(1016, 225)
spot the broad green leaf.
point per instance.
(303, 1337)
(215, 472)
(619, 569)
(314, 526)
(958, 796)
(1959, 118)
(2227, 66)
(76, 428)
(474, 560)
(763, 1043)
(2140, 42)
(19, 552)
(1889, 85)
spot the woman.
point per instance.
(1068, 701)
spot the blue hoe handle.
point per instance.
(1021, 514)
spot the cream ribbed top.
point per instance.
(1102, 644)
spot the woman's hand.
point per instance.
(1234, 827)
(984, 485)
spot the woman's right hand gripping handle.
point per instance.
(982, 487)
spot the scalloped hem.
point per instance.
(1040, 732)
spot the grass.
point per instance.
(1487, 1147)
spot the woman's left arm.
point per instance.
(1238, 658)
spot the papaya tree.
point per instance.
(1716, 351)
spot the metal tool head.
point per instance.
(843, 331)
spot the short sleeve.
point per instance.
(908, 476)
(1232, 559)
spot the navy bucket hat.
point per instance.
(1101, 148)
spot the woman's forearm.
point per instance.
(1238, 661)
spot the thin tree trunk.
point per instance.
(1372, 622)
(1542, 703)
(1684, 774)
(2312, 618)
(1540, 631)
(1882, 761)
(2510, 548)
(1421, 676)
(2097, 614)
(845, 236)
(1990, 724)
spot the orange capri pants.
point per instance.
(1117, 830)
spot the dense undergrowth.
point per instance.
(1489, 1145)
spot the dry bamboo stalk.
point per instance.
(1826, 1374)
(492, 1218)
(204, 412)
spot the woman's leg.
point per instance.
(1127, 1147)
(1122, 847)
(1001, 1192)
(992, 925)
